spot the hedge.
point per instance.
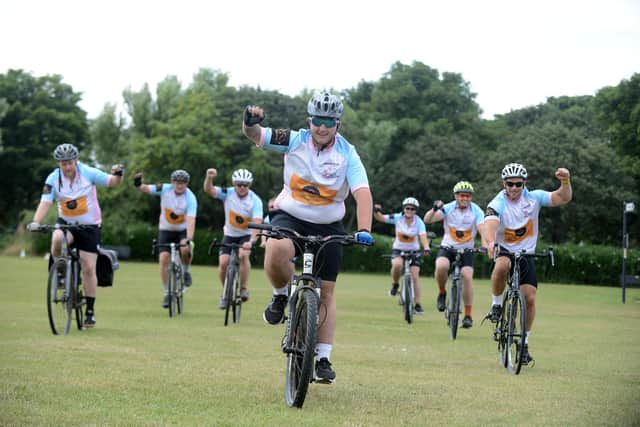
(580, 264)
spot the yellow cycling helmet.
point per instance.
(463, 187)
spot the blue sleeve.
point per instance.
(356, 173)
(477, 213)
(497, 204)
(95, 176)
(446, 209)
(257, 206)
(164, 188)
(422, 229)
(192, 203)
(541, 196)
(273, 139)
(392, 218)
(222, 194)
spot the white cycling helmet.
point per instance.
(324, 104)
(410, 201)
(514, 170)
(65, 152)
(242, 175)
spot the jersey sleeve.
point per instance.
(541, 196)
(49, 189)
(356, 173)
(257, 206)
(159, 189)
(422, 229)
(446, 209)
(281, 140)
(495, 207)
(477, 214)
(95, 176)
(221, 194)
(192, 204)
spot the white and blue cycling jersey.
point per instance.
(406, 234)
(239, 211)
(316, 183)
(518, 228)
(174, 208)
(461, 225)
(76, 199)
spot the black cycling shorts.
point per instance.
(225, 250)
(86, 239)
(528, 274)
(329, 261)
(167, 236)
(416, 261)
(467, 257)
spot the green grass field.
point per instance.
(140, 367)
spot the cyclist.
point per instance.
(462, 220)
(511, 219)
(241, 206)
(320, 168)
(73, 186)
(177, 224)
(408, 229)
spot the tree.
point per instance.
(40, 113)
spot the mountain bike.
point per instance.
(176, 276)
(407, 296)
(454, 296)
(231, 290)
(511, 326)
(64, 295)
(303, 309)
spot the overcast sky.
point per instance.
(513, 53)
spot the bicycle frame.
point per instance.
(232, 279)
(407, 292)
(176, 276)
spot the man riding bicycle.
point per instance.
(408, 229)
(511, 220)
(462, 220)
(320, 168)
(177, 224)
(73, 186)
(241, 206)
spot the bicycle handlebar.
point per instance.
(480, 250)
(45, 228)
(215, 243)
(498, 251)
(155, 245)
(278, 232)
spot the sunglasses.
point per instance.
(241, 184)
(514, 184)
(328, 122)
(410, 208)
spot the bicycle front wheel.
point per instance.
(502, 328)
(172, 293)
(237, 301)
(407, 297)
(59, 301)
(303, 330)
(454, 308)
(228, 294)
(517, 315)
(179, 280)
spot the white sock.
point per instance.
(165, 288)
(281, 291)
(526, 337)
(323, 350)
(186, 267)
(497, 299)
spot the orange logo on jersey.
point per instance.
(74, 207)
(238, 221)
(172, 217)
(459, 236)
(518, 235)
(309, 193)
(405, 238)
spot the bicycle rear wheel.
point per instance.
(304, 330)
(59, 301)
(407, 298)
(517, 315)
(454, 308)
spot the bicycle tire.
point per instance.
(179, 279)
(454, 309)
(172, 294)
(304, 330)
(517, 327)
(78, 300)
(407, 289)
(59, 301)
(227, 293)
(237, 301)
(502, 327)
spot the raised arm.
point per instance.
(564, 194)
(377, 213)
(208, 186)
(434, 214)
(252, 116)
(137, 182)
(117, 174)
